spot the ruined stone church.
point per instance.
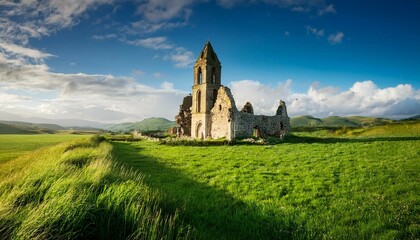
(210, 112)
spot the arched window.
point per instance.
(199, 101)
(213, 75)
(199, 76)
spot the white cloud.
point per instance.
(33, 19)
(314, 31)
(181, 57)
(157, 75)
(264, 98)
(103, 37)
(160, 10)
(363, 98)
(13, 98)
(14, 49)
(137, 72)
(327, 9)
(91, 97)
(336, 38)
(153, 43)
(145, 26)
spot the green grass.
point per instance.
(14, 145)
(313, 185)
(318, 184)
(75, 191)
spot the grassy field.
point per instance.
(313, 185)
(317, 184)
(14, 145)
(75, 191)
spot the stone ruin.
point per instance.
(210, 112)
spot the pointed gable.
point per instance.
(209, 55)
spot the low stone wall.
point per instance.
(247, 125)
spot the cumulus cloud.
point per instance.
(264, 98)
(336, 38)
(93, 97)
(181, 57)
(363, 98)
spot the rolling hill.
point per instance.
(147, 125)
(9, 129)
(15, 127)
(18, 127)
(336, 121)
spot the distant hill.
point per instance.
(33, 125)
(14, 127)
(336, 121)
(413, 118)
(305, 121)
(147, 125)
(9, 129)
(18, 127)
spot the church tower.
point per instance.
(207, 81)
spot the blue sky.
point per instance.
(113, 61)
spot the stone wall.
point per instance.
(248, 125)
(222, 114)
(183, 119)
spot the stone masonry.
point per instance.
(211, 111)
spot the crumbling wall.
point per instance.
(222, 114)
(246, 124)
(183, 119)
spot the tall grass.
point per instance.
(75, 191)
(14, 145)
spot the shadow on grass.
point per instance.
(305, 139)
(212, 212)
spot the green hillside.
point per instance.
(413, 118)
(369, 121)
(31, 126)
(336, 121)
(15, 127)
(304, 121)
(147, 125)
(9, 129)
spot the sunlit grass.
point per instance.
(319, 184)
(313, 185)
(14, 145)
(75, 191)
